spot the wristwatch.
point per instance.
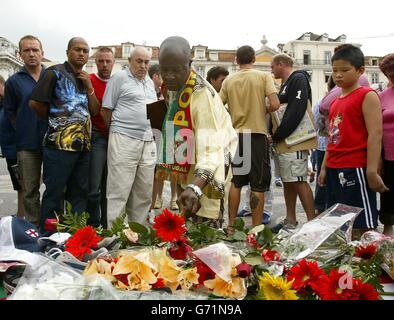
(196, 189)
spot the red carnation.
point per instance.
(244, 270)
(270, 255)
(205, 272)
(159, 283)
(169, 226)
(367, 252)
(82, 242)
(180, 250)
(251, 240)
(305, 274)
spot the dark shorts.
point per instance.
(14, 179)
(349, 186)
(251, 164)
(386, 214)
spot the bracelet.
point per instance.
(92, 93)
(196, 190)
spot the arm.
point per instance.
(297, 93)
(274, 102)
(106, 114)
(10, 103)
(373, 121)
(40, 108)
(321, 179)
(93, 103)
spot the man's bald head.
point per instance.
(74, 41)
(175, 62)
(78, 52)
(176, 46)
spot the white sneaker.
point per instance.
(151, 216)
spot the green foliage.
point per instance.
(201, 234)
(118, 225)
(71, 222)
(146, 236)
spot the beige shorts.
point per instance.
(293, 167)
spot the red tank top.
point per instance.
(99, 88)
(348, 135)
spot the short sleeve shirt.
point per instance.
(69, 119)
(245, 93)
(127, 97)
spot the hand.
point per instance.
(321, 180)
(312, 176)
(188, 202)
(85, 77)
(269, 139)
(376, 183)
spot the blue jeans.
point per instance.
(320, 192)
(65, 173)
(97, 200)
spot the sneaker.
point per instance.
(174, 205)
(151, 216)
(266, 218)
(278, 183)
(283, 225)
(158, 203)
(244, 213)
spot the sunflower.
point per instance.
(82, 242)
(276, 288)
(169, 226)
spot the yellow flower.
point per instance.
(276, 288)
(169, 272)
(128, 264)
(99, 266)
(187, 278)
(233, 289)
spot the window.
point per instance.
(200, 54)
(309, 72)
(126, 50)
(375, 77)
(307, 57)
(327, 57)
(327, 76)
(374, 62)
(214, 55)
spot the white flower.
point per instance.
(131, 235)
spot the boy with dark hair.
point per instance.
(216, 76)
(350, 164)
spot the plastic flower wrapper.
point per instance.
(49, 280)
(220, 259)
(321, 236)
(217, 257)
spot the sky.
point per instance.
(218, 24)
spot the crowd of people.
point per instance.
(90, 138)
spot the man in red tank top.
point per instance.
(350, 165)
(97, 201)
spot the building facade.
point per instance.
(313, 53)
(204, 58)
(10, 62)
